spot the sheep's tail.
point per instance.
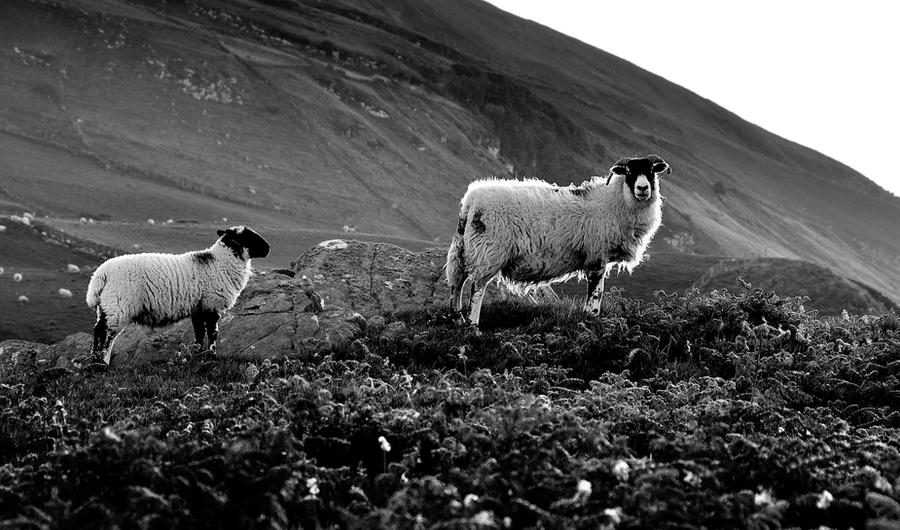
(95, 287)
(456, 262)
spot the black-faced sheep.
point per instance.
(531, 233)
(157, 289)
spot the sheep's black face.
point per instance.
(641, 174)
(244, 242)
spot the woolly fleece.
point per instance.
(157, 289)
(532, 232)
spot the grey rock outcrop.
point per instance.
(374, 278)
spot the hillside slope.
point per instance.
(827, 292)
(293, 115)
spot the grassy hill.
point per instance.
(674, 409)
(302, 117)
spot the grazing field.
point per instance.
(46, 316)
(720, 411)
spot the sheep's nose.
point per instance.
(643, 188)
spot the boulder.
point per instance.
(17, 355)
(374, 278)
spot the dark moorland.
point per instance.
(722, 411)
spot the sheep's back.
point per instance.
(495, 193)
(152, 289)
(526, 229)
(529, 203)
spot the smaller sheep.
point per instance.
(65, 293)
(72, 268)
(531, 233)
(17, 277)
(2, 270)
(155, 289)
(2, 228)
(23, 299)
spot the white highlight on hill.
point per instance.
(819, 73)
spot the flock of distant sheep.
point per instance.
(26, 219)
(527, 234)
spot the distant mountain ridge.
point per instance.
(307, 115)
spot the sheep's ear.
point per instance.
(220, 233)
(620, 167)
(659, 165)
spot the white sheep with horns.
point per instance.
(156, 289)
(530, 233)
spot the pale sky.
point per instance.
(825, 74)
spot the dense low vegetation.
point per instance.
(720, 411)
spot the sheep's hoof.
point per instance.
(88, 360)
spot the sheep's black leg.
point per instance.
(198, 319)
(101, 328)
(212, 329)
(100, 345)
(594, 292)
(104, 338)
